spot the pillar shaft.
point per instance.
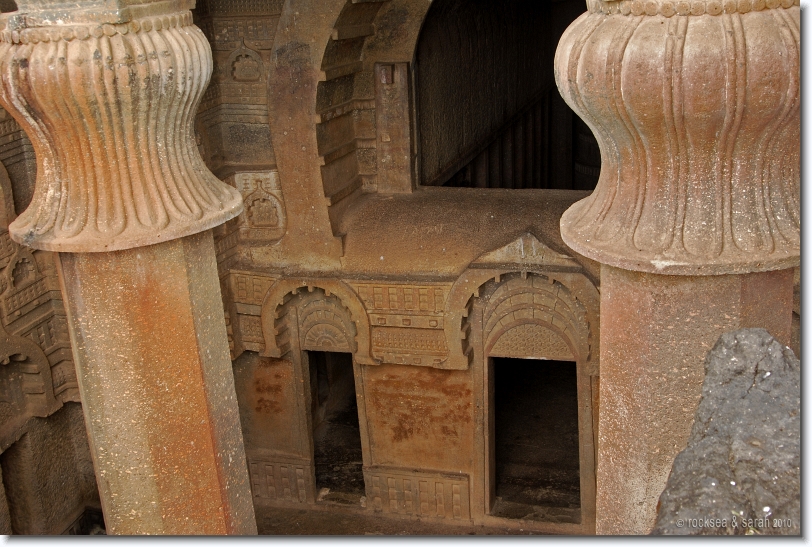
(158, 392)
(696, 215)
(107, 91)
(655, 333)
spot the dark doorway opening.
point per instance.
(537, 470)
(488, 113)
(337, 450)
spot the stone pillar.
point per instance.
(696, 216)
(107, 91)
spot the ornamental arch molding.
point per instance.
(527, 315)
(324, 57)
(324, 315)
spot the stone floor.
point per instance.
(331, 520)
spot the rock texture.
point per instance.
(740, 473)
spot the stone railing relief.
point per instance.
(690, 184)
(425, 494)
(133, 176)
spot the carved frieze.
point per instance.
(234, 8)
(31, 309)
(21, 283)
(406, 322)
(424, 494)
(36, 366)
(402, 299)
(227, 33)
(249, 288)
(409, 346)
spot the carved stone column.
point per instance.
(107, 91)
(696, 216)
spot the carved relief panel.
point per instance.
(264, 217)
(246, 65)
(407, 323)
(36, 366)
(248, 292)
(530, 316)
(279, 481)
(233, 114)
(323, 322)
(532, 342)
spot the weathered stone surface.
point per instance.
(45, 474)
(701, 149)
(120, 180)
(740, 473)
(340, 249)
(107, 92)
(696, 108)
(5, 516)
(655, 333)
(158, 390)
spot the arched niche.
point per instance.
(531, 316)
(535, 306)
(330, 305)
(348, 104)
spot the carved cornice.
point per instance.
(109, 109)
(698, 120)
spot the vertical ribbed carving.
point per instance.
(109, 109)
(696, 108)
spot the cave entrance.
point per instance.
(337, 452)
(536, 467)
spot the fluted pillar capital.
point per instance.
(696, 107)
(107, 90)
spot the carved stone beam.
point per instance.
(696, 216)
(107, 91)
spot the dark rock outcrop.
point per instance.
(740, 473)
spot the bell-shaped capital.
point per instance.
(107, 91)
(696, 107)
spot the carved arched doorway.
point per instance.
(320, 336)
(535, 341)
